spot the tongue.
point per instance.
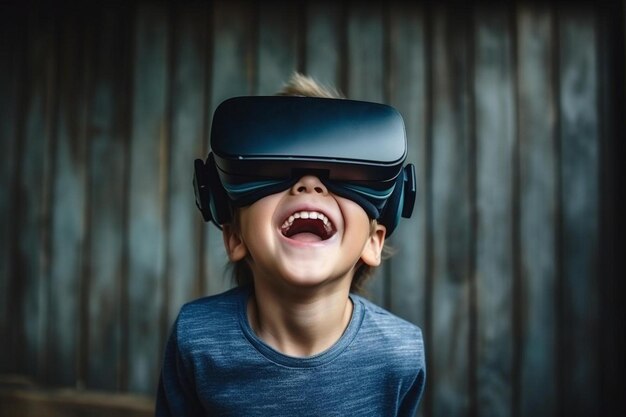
(306, 237)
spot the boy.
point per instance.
(291, 339)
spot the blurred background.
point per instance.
(514, 114)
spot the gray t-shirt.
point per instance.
(215, 365)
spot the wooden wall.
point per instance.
(506, 263)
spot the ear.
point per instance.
(234, 244)
(373, 249)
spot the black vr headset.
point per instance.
(264, 145)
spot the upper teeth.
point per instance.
(307, 215)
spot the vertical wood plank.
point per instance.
(537, 162)
(234, 38)
(451, 228)
(278, 44)
(611, 35)
(11, 85)
(148, 173)
(323, 54)
(366, 78)
(407, 94)
(579, 132)
(231, 68)
(108, 120)
(495, 136)
(366, 82)
(28, 302)
(188, 112)
(68, 208)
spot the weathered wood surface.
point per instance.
(11, 41)
(276, 44)
(324, 54)
(104, 109)
(578, 232)
(30, 253)
(450, 222)
(537, 213)
(68, 192)
(106, 269)
(494, 130)
(28, 402)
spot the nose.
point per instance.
(309, 184)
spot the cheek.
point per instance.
(256, 224)
(355, 217)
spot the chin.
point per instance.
(311, 277)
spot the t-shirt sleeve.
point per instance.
(410, 402)
(176, 394)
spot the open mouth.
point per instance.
(308, 226)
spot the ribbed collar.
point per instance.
(279, 358)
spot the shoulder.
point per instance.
(397, 339)
(211, 305)
(386, 323)
(209, 317)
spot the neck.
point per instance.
(300, 326)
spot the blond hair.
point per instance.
(302, 85)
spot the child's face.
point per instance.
(282, 244)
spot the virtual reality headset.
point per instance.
(264, 145)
